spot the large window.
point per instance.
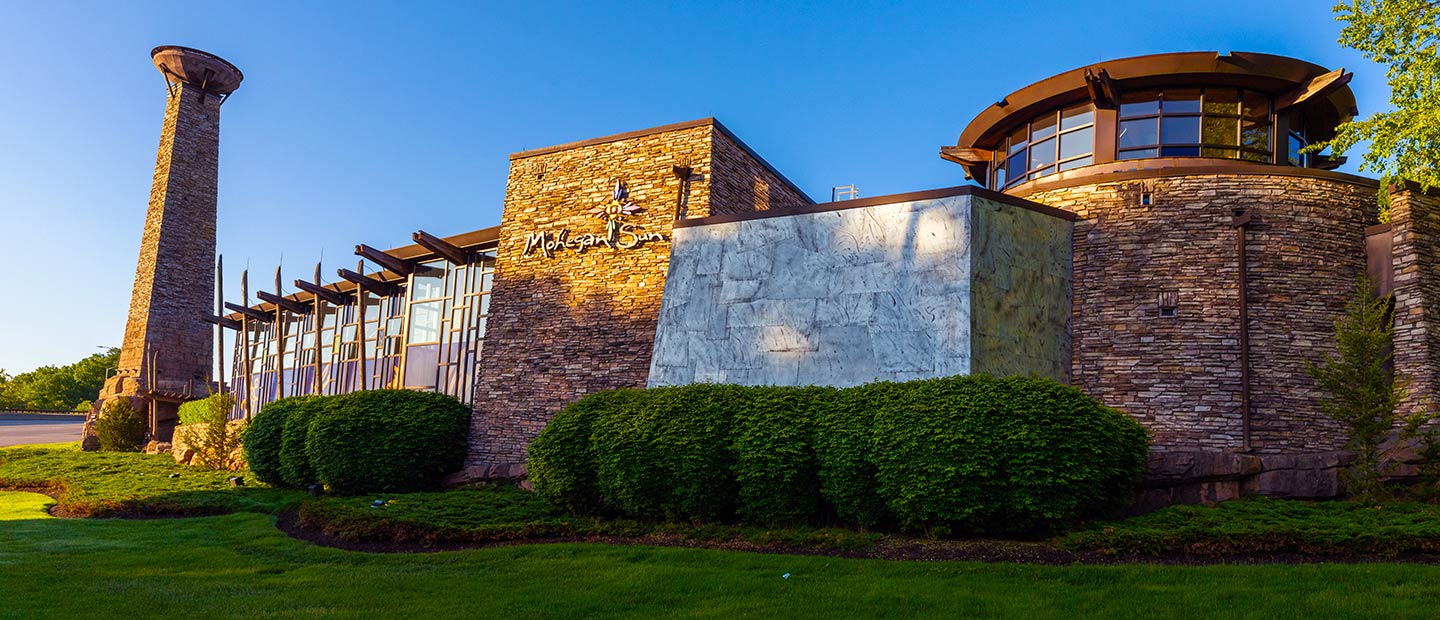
(1054, 142)
(1212, 122)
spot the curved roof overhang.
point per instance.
(1279, 76)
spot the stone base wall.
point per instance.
(1180, 375)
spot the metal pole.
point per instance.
(319, 328)
(245, 327)
(220, 329)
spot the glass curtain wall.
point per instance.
(426, 337)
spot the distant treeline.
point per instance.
(71, 387)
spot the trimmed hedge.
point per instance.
(262, 443)
(295, 468)
(974, 454)
(201, 410)
(379, 440)
(387, 440)
(665, 453)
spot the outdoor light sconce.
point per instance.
(1168, 304)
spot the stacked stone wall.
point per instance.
(1181, 375)
(1415, 230)
(174, 278)
(577, 322)
(742, 183)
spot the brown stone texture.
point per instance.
(174, 280)
(1180, 375)
(579, 322)
(1415, 230)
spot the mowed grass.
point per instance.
(109, 483)
(240, 566)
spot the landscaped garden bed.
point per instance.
(1251, 530)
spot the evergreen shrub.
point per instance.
(1016, 455)
(666, 453)
(386, 440)
(119, 427)
(262, 442)
(297, 413)
(973, 454)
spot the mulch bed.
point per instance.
(889, 548)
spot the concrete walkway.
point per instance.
(24, 428)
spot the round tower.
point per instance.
(165, 357)
(1212, 255)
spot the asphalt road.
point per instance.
(18, 428)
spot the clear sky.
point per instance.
(362, 122)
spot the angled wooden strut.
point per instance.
(379, 257)
(378, 287)
(455, 254)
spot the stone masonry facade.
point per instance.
(576, 322)
(1415, 234)
(174, 284)
(1180, 375)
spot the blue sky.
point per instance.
(362, 122)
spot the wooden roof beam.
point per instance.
(379, 287)
(283, 302)
(379, 257)
(1102, 90)
(968, 158)
(455, 254)
(221, 321)
(327, 294)
(1319, 87)
(259, 315)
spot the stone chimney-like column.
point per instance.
(165, 357)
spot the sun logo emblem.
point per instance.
(618, 206)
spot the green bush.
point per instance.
(957, 455)
(561, 461)
(386, 440)
(298, 412)
(262, 441)
(667, 454)
(844, 446)
(775, 466)
(195, 411)
(214, 437)
(119, 427)
(1018, 455)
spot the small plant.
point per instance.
(210, 433)
(119, 427)
(1362, 391)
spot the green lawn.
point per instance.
(240, 566)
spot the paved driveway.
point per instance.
(17, 428)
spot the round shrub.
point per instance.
(775, 468)
(262, 442)
(1016, 455)
(298, 413)
(387, 440)
(119, 427)
(666, 453)
(560, 463)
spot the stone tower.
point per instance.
(165, 358)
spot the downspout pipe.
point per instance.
(1239, 222)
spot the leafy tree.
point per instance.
(58, 387)
(1362, 391)
(1404, 142)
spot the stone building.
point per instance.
(1147, 229)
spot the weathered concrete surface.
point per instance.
(872, 293)
(19, 429)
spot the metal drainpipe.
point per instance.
(1239, 221)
